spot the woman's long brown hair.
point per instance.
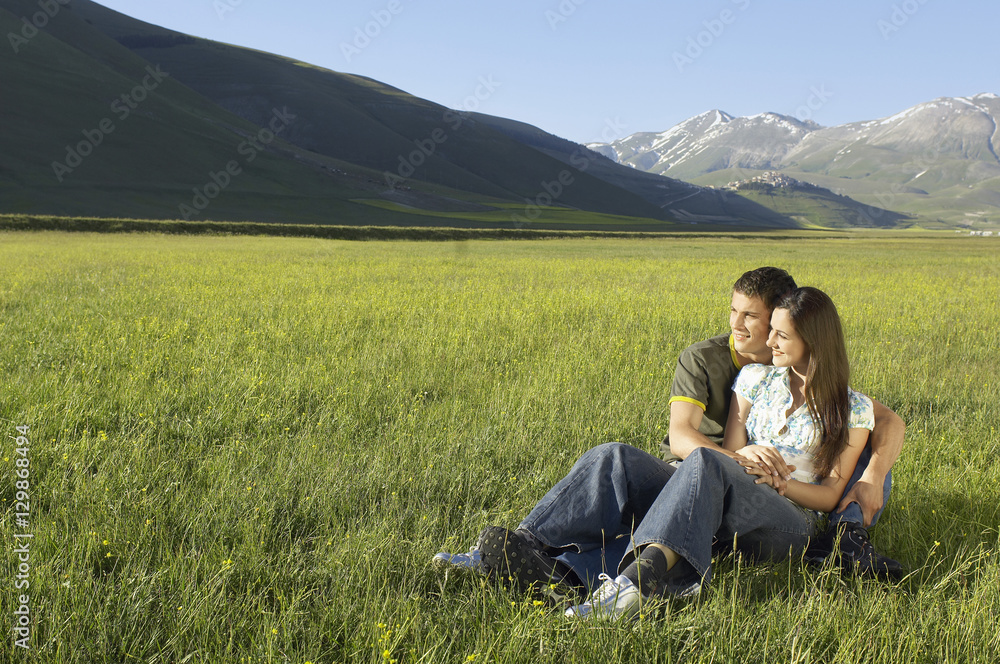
(816, 321)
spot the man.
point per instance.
(581, 528)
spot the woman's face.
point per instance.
(787, 347)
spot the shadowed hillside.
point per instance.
(116, 117)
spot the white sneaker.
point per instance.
(616, 598)
(472, 561)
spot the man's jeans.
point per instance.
(614, 491)
(592, 511)
(853, 511)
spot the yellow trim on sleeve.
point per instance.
(688, 400)
(732, 352)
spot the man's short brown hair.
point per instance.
(767, 283)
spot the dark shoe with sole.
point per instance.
(852, 548)
(511, 557)
(820, 547)
(858, 553)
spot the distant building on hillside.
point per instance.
(770, 178)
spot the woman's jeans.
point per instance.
(617, 498)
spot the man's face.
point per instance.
(750, 321)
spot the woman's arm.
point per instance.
(758, 459)
(825, 496)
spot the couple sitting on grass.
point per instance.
(759, 471)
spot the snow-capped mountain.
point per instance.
(949, 127)
(711, 141)
(927, 159)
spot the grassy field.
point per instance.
(248, 449)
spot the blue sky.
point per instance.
(595, 69)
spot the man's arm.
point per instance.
(685, 418)
(887, 443)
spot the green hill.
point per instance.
(93, 131)
(116, 117)
(810, 205)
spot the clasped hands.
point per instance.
(767, 464)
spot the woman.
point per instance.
(800, 405)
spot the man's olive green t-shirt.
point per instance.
(705, 374)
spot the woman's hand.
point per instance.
(767, 461)
(764, 476)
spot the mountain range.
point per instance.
(105, 115)
(935, 160)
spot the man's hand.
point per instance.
(764, 477)
(867, 495)
(767, 463)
